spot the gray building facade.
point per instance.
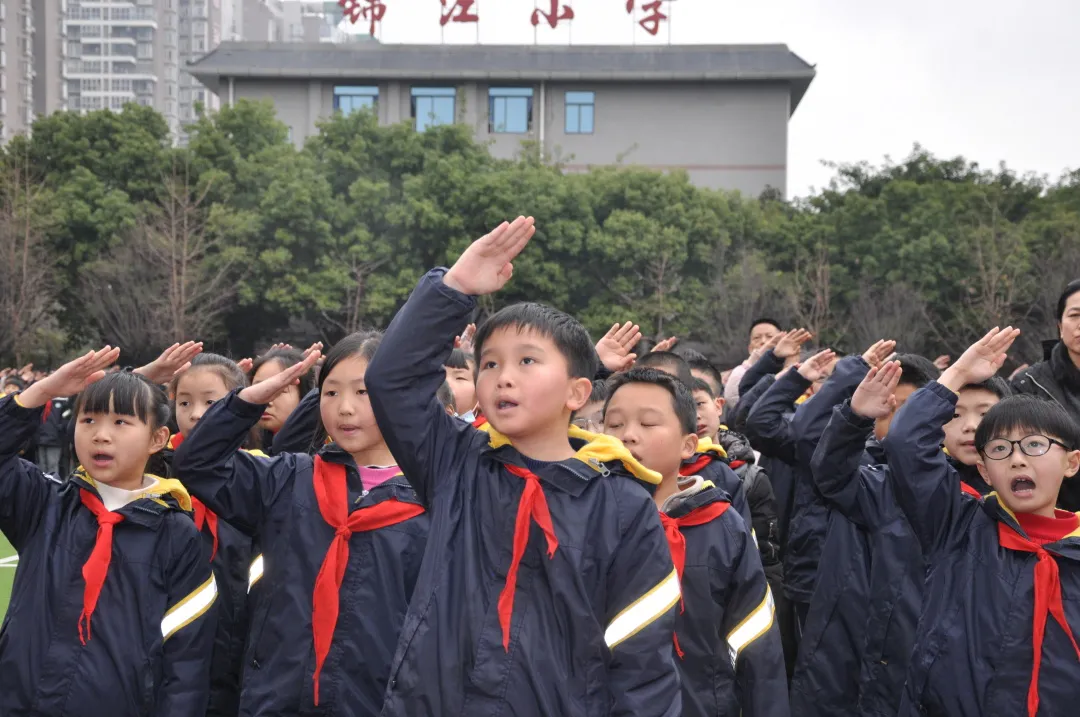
(16, 66)
(719, 112)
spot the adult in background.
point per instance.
(761, 331)
(1057, 377)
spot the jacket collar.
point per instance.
(596, 454)
(1068, 547)
(397, 487)
(694, 492)
(1064, 370)
(165, 495)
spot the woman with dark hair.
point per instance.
(1057, 377)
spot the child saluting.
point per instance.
(111, 607)
(1002, 597)
(547, 587)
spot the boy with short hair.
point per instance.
(566, 608)
(726, 640)
(972, 403)
(709, 409)
(995, 636)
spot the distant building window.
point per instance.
(510, 110)
(579, 112)
(433, 106)
(351, 99)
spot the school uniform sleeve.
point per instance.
(747, 402)
(24, 489)
(299, 429)
(925, 485)
(188, 629)
(404, 377)
(643, 590)
(850, 488)
(751, 631)
(768, 365)
(766, 427)
(240, 487)
(811, 418)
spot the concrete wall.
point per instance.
(730, 136)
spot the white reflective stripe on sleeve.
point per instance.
(753, 534)
(255, 572)
(643, 611)
(752, 627)
(190, 608)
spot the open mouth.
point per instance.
(101, 459)
(348, 430)
(505, 405)
(701, 428)
(1022, 487)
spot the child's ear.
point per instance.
(159, 439)
(1072, 463)
(689, 446)
(982, 470)
(720, 402)
(580, 390)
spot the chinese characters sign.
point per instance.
(650, 15)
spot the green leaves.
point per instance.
(329, 239)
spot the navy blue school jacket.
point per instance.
(733, 662)
(152, 632)
(973, 651)
(231, 553)
(272, 500)
(710, 462)
(591, 626)
(810, 514)
(297, 434)
(863, 614)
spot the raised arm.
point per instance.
(407, 371)
(24, 489)
(239, 487)
(766, 427)
(926, 486)
(299, 429)
(849, 487)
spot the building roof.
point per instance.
(605, 63)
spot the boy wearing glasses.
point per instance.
(1002, 595)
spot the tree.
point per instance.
(174, 278)
(27, 289)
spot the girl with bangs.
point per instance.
(113, 604)
(342, 534)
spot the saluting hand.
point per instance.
(71, 378)
(816, 367)
(266, 391)
(983, 359)
(173, 361)
(485, 266)
(614, 349)
(876, 396)
(879, 352)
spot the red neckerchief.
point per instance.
(965, 488)
(97, 566)
(677, 542)
(532, 506)
(1047, 602)
(174, 441)
(692, 469)
(207, 517)
(332, 494)
(479, 421)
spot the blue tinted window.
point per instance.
(351, 99)
(510, 109)
(579, 112)
(433, 106)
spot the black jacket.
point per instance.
(1056, 379)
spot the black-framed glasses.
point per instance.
(1033, 446)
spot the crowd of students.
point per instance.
(513, 520)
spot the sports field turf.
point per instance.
(8, 561)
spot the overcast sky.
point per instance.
(993, 80)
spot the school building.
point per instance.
(720, 112)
